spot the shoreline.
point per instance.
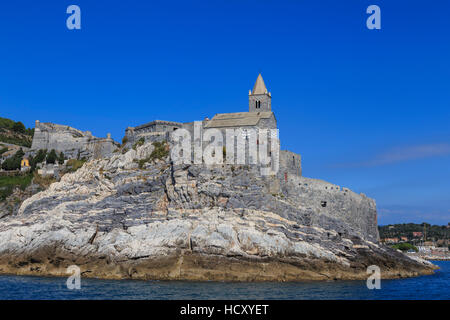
(192, 268)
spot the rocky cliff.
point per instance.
(132, 217)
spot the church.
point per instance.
(258, 116)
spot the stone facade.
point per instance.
(259, 116)
(152, 131)
(290, 163)
(72, 142)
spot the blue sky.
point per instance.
(366, 109)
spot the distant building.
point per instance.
(390, 240)
(417, 234)
(25, 164)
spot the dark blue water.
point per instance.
(436, 286)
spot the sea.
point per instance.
(434, 287)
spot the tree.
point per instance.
(13, 163)
(19, 127)
(405, 246)
(19, 154)
(52, 157)
(40, 156)
(61, 158)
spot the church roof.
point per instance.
(148, 124)
(237, 119)
(259, 87)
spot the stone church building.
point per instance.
(258, 116)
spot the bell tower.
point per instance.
(259, 99)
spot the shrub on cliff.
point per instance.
(161, 151)
(43, 182)
(61, 158)
(52, 157)
(39, 158)
(139, 143)
(75, 164)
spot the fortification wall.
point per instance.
(333, 206)
(70, 141)
(290, 163)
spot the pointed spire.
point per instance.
(260, 87)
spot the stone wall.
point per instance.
(72, 142)
(290, 163)
(334, 207)
(265, 102)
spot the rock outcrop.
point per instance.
(125, 218)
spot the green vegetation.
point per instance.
(15, 126)
(124, 140)
(15, 133)
(139, 143)
(41, 155)
(160, 152)
(405, 247)
(13, 163)
(14, 140)
(3, 150)
(52, 157)
(75, 164)
(44, 182)
(433, 232)
(19, 127)
(61, 158)
(8, 184)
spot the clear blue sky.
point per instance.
(366, 109)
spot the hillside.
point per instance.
(12, 132)
(415, 231)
